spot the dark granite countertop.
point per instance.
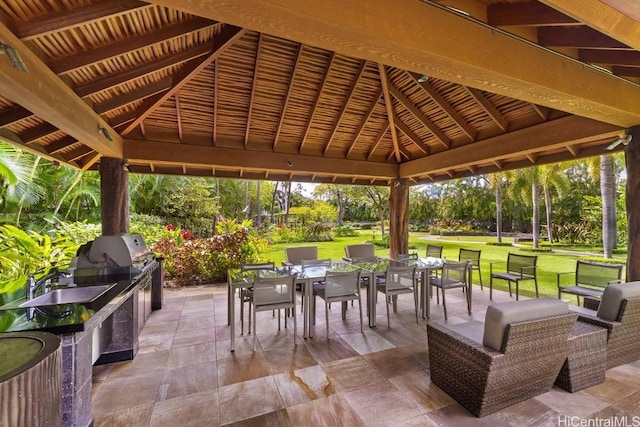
(70, 318)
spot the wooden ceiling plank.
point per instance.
(33, 134)
(625, 71)
(77, 153)
(415, 139)
(161, 86)
(14, 115)
(437, 133)
(287, 96)
(552, 134)
(63, 20)
(489, 108)
(377, 140)
(577, 37)
(365, 120)
(216, 71)
(200, 155)
(389, 106)
(226, 38)
(345, 105)
(45, 95)
(543, 112)
(60, 144)
(86, 164)
(602, 18)
(141, 70)
(446, 107)
(526, 14)
(484, 61)
(317, 102)
(179, 116)
(93, 56)
(253, 90)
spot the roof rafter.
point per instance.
(14, 115)
(578, 37)
(226, 38)
(610, 57)
(365, 120)
(178, 115)
(526, 14)
(412, 136)
(317, 102)
(143, 92)
(390, 114)
(253, 90)
(377, 140)
(489, 108)
(288, 95)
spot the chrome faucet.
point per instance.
(33, 285)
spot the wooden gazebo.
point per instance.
(363, 92)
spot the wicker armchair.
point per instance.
(619, 313)
(485, 378)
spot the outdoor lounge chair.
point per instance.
(619, 313)
(515, 355)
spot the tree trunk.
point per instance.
(499, 212)
(258, 205)
(399, 218)
(286, 213)
(340, 206)
(247, 209)
(607, 191)
(273, 201)
(632, 156)
(114, 196)
(536, 214)
(547, 203)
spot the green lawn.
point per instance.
(548, 263)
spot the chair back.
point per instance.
(434, 251)
(404, 257)
(310, 263)
(471, 255)
(258, 266)
(340, 284)
(611, 305)
(400, 277)
(455, 271)
(522, 264)
(296, 254)
(274, 291)
(360, 250)
(597, 274)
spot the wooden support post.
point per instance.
(632, 155)
(399, 217)
(114, 195)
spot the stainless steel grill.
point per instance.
(120, 250)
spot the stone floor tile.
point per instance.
(328, 411)
(248, 399)
(188, 380)
(303, 385)
(198, 409)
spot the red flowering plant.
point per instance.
(193, 261)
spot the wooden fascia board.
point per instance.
(197, 155)
(552, 134)
(43, 93)
(602, 17)
(474, 55)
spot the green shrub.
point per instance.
(286, 235)
(345, 231)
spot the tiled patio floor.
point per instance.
(184, 374)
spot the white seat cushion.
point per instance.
(612, 297)
(500, 315)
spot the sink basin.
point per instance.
(84, 294)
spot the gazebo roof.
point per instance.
(359, 92)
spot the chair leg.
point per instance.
(386, 299)
(438, 295)
(415, 303)
(444, 305)
(278, 319)
(510, 294)
(249, 318)
(326, 315)
(491, 288)
(254, 330)
(241, 316)
(480, 274)
(517, 290)
(295, 328)
(536, 283)
(360, 308)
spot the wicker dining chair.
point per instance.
(515, 355)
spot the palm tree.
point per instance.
(607, 191)
(552, 178)
(495, 181)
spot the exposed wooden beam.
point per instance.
(532, 157)
(14, 115)
(345, 105)
(573, 149)
(198, 155)
(161, 86)
(179, 116)
(543, 112)
(365, 120)
(87, 163)
(135, 42)
(226, 38)
(626, 71)
(526, 14)
(485, 60)
(424, 120)
(412, 136)
(79, 15)
(548, 135)
(34, 133)
(216, 72)
(577, 37)
(317, 101)
(44, 94)
(141, 70)
(253, 90)
(377, 140)
(287, 96)
(388, 103)
(489, 108)
(60, 144)
(601, 17)
(610, 57)
(446, 107)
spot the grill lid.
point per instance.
(120, 250)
